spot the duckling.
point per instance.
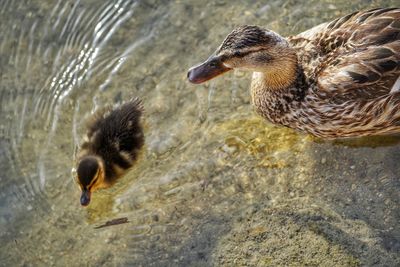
(111, 146)
(338, 79)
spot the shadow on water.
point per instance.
(367, 141)
(215, 184)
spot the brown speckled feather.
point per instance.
(358, 54)
(352, 65)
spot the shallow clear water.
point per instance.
(215, 185)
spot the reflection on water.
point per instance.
(216, 185)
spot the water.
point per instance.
(215, 185)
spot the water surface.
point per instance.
(215, 184)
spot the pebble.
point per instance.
(229, 149)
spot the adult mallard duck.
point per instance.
(338, 79)
(110, 148)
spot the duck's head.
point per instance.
(90, 177)
(247, 47)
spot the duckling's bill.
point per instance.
(85, 197)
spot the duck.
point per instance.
(110, 147)
(336, 80)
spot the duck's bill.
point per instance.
(85, 198)
(207, 70)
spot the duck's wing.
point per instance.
(356, 55)
(364, 74)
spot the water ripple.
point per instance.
(213, 183)
(61, 55)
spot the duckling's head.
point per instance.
(90, 174)
(247, 47)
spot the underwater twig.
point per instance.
(113, 222)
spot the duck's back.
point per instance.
(356, 56)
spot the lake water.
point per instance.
(215, 185)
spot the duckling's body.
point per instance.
(339, 79)
(111, 147)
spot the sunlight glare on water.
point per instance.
(215, 184)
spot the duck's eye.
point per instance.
(213, 64)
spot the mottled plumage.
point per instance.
(111, 146)
(338, 79)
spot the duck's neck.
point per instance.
(279, 75)
(274, 92)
